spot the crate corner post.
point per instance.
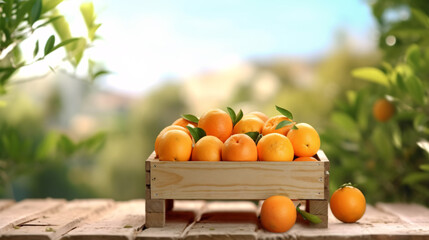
(155, 208)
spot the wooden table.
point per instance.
(107, 219)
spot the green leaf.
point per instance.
(62, 28)
(283, 123)
(197, 133)
(190, 118)
(413, 56)
(253, 135)
(232, 114)
(100, 73)
(421, 17)
(308, 216)
(285, 112)
(424, 167)
(370, 74)
(36, 49)
(48, 5)
(49, 44)
(235, 118)
(239, 116)
(35, 12)
(64, 43)
(415, 88)
(87, 10)
(77, 51)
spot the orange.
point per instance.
(168, 128)
(305, 140)
(239, 147)
(260, 115)
(271, 124)
(278, 214)
(175, 145)
(348, 204)
(208, 148)
(248, 124)
(183, 122)
(305, 159)
(216, 123)
(383, 110)
(275, 147)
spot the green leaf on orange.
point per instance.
(283, 124)
(190, 118)
(197, 133)
(284, 112)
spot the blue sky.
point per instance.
(147, 42)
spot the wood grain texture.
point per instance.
(121, 222)
(237, 180)
(25, 211)
(182, 215)
(5, 203)
(226, 220)
(54, 224)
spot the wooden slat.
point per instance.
(220, 220)
(236, 180)
(119, 223)
(54, 225)
(177, 221)
(410, 213)
(25, 211)
(5, 203)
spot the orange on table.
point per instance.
(208, 148)
(278, 214)
(305, 159)
(305, 140)
(275, 147)
(260, 115)
(168, 128)
(216, 123)
(348, 204)
(248, 124)
(239, 147)
(183, 122)
(383, 110)
(175, 145)
(271, 124)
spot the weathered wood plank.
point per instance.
(408, 212)
(54, 224)
(226, 220)
(121, 222)
(177, 221)
(237, 180)
(25, 211)
(5, 203)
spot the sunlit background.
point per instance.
(167, 58)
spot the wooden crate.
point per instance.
(166, 181)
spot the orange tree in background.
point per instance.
(379, 134)
(27, 145)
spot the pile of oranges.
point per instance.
(220, 136)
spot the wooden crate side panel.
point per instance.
(236, 180)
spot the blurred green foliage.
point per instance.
(36, 161)
(20, 19)
(387, 160)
